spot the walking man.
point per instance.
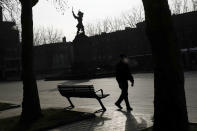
(123, 74)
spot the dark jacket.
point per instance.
(123, 72)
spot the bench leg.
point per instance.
(100, 102)
(71, 104)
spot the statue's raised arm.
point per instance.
(74, 14)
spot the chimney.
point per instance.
(1, 14)
(64, 39)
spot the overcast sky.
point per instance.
(45, 13)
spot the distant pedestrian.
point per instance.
(123, 74)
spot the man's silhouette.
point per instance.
(79, 18)
(123, 74)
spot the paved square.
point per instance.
(140, 97)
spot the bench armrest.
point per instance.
(101, 90)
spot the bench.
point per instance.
(82, 91)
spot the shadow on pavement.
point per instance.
(131, 123)
(86, 125)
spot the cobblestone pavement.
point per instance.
(112, 120)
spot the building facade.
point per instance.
(134, 42)
(52, 59)
(10, 66)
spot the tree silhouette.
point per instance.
(170, 112)
(31, 104)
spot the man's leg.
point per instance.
(120, 99)
(125, 95)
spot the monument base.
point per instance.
(82, 56)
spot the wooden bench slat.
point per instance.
(78, 86)
(85, 91)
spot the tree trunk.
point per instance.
(170, 112)
(31, 104)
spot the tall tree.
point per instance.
(170, 112)
(31, 104)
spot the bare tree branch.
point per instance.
(11, 9)
(194, 4)
(132, 17)
(47, 35)
(60, 5)
(127, 19)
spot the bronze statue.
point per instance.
(79, 18)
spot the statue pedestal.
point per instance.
(82, 55)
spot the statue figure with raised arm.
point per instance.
(79, 18)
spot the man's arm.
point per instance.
(132, 80)
(130, 77)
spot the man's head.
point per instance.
(124, 58)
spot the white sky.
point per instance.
(46, 15)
